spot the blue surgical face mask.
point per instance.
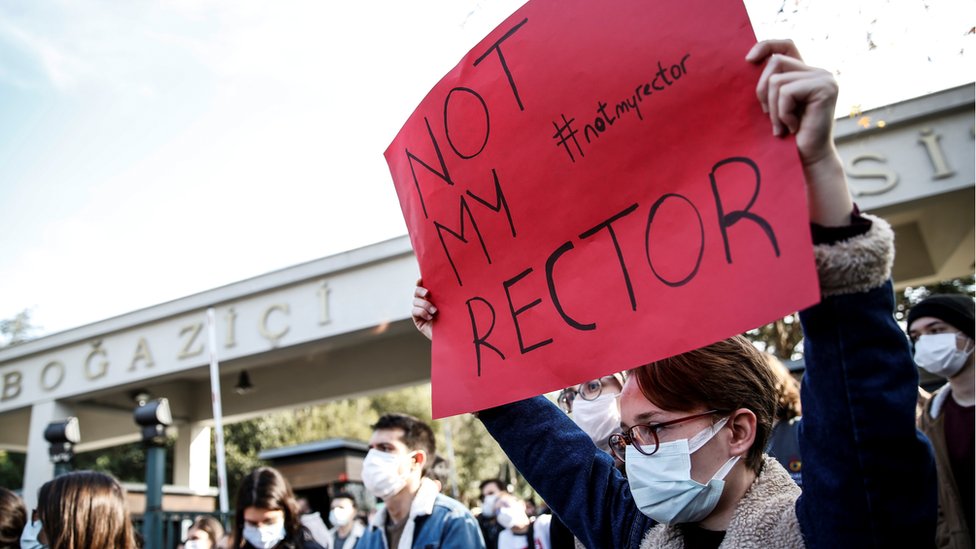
(661, 483)
(32, 531)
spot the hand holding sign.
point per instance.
(587, 193)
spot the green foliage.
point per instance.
(781, 338)
(12, 470)
(476, 455)
(127, 462)
(784, 338)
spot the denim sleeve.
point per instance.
(461, 532)
(868, 474)
(575, 478)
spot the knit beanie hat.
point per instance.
(955, 310)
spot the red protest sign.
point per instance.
(594, 187)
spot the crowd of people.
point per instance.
(706, 449)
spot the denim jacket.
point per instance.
(868, 474)
(436, 521)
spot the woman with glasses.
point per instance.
(694, 426)
(593, 407)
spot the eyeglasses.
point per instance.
(587, 391)
(644, 437)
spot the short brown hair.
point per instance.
(85, 509)
(725, 376)
(417, 435)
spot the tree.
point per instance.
(18, 329)
(784, 338)
(12, 470)
(781, 338)
(910, 297)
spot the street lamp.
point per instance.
(62, 435)
(153, 417)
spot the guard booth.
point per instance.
(317, 471)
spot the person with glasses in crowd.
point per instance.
(593, 407)
(941, 330)
(694, 426)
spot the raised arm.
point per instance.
(577, 480)
(868, 475)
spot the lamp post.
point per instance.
(62, 435)
(153, 417)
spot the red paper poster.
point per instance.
(594, 187)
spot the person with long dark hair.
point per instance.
(266, 515)
(80, 510)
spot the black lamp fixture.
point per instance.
(153, 417)
(62, 435)
(244, 385)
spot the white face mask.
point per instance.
(661, 483)
(28, 539)
(339, 516)
(193, 544)
(381, 474)
(488, 506)
(939, 355)
(507, 516)
(599, 418)
(266, 536)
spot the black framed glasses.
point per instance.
(586, 391)
(644, 437)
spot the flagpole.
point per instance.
(217, 411)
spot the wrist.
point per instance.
(828, 197)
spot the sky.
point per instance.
(153, 150)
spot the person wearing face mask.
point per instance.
(346, 530)
(491, 489)
(520, 530)
(204, 533)
(415, 513)
(941, 330)
(593, 407)
(267, 515)
(694, 426)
